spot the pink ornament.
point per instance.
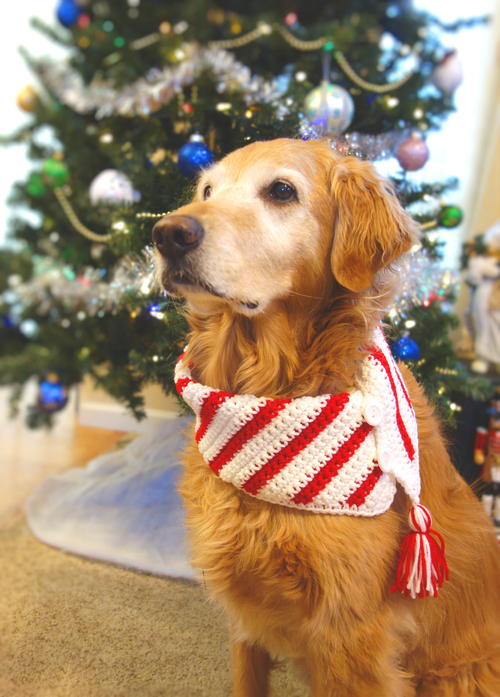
(448, 74)
(413, 153)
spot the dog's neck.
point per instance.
(286, 352)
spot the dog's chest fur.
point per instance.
(282, 572)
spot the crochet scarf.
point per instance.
(331, 454)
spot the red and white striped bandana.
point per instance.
(333, 454)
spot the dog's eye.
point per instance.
(207, 191)
(282, 191)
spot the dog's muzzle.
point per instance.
(176, 235)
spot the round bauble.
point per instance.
(406, 349)
(329, 107)
(52, 395)
(113, 188)
(55, 172)
(67, 13)
(448, 74)
(27, 98)
(413, 153)
(450, 216)
(194, 156)
(35, 186)
(29, 328)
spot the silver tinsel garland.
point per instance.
(56, 286)
(422, 280)
(159, 86)
(367, 146)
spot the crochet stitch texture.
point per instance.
(334, 454)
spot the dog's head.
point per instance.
(281, 218)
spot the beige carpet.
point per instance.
(71, 627)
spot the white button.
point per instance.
(373, 412)
(385, 462)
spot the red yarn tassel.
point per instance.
(422, 567)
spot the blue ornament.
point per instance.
(52, 395)
(406, 349)
(193, 157)
(68, 12)
(8, 322)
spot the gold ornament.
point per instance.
(216, 16)
(158, 156)
(27, 98)
(181, 126)
(165, 28)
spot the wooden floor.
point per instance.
(27, 456)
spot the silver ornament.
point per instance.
(329, 107)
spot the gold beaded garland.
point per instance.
(75, 222)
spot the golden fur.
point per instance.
(316, 587)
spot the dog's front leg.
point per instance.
(251, 666)
(365, 667)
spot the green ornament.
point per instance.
(450, 216)
(83, 353)
(55, 171)
(35, 186)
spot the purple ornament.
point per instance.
(413, 153)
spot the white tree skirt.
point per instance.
(123, 507)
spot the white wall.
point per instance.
(15, 31)
(455, 148)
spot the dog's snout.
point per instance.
(175, 235)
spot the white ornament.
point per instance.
(448, 75)
(113, 187)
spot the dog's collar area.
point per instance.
(330, 454)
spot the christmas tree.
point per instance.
(151, 93)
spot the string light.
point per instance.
(146, 214)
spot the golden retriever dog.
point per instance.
(287, 258)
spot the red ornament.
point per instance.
(413, 153)
(83, 20)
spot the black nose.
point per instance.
(175, 235)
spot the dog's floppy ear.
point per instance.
(371, 227)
